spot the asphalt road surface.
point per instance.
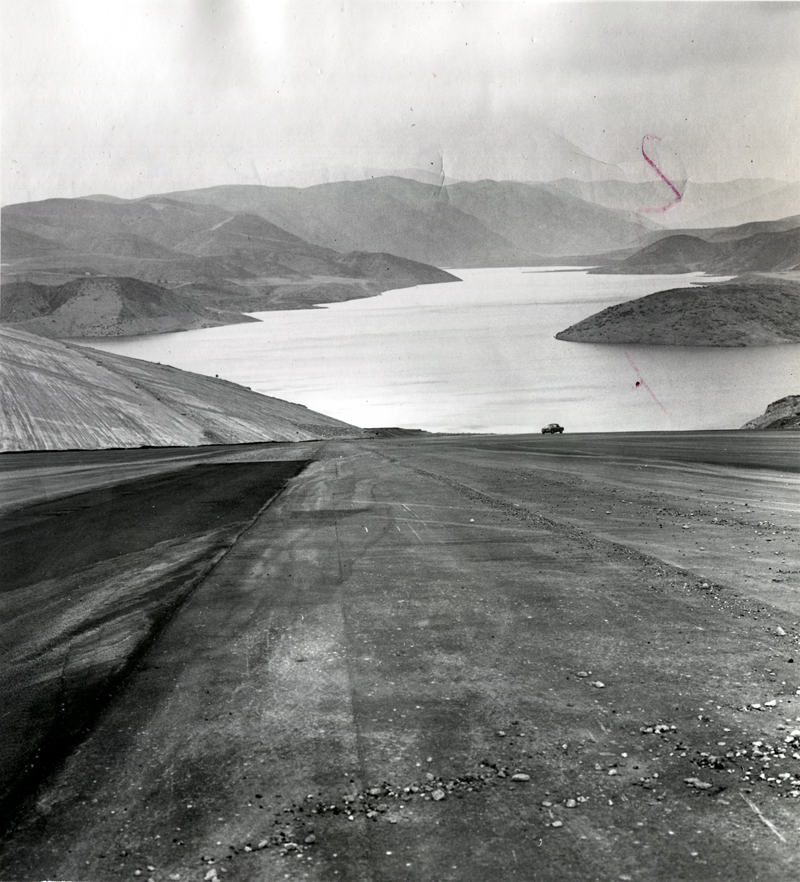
(457, 658)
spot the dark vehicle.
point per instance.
(552, 429)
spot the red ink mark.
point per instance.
(663, 177)
(641, 382)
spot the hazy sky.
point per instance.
(146, 96)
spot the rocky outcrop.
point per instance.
(781, 414)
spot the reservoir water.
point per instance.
(480, 356)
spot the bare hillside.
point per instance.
(208, 257)
(749, 311)
(106, 307)
(58, 396)
(774, 250)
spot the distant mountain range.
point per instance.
(482, 223)
(751, 310)
(702, 205)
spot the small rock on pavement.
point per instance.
(582, 674)
(520, 776)
(310, 839)
(211, 875)
(557, 824)
(696, 782)
(780, 632)
(438, 794)
(571, 803)
(599, 684)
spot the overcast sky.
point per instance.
(146, 96)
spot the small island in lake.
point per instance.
(751, 310)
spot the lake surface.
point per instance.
(480, 356)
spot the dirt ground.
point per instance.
(458, 658)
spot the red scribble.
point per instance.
(663, 177)
(641, 382)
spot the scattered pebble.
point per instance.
(697, 783)
(599, 684)
(780, 632)
(520, 776)
(557, 824)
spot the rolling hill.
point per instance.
(58, 396)
(106, 307)
(748, 311)
(771, 251)
(217, 259)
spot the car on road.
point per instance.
(552, 429)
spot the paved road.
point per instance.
(26, 478)
(351, 690)
(87, 582)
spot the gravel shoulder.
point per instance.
(457, 657)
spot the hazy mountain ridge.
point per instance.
(398, 216)
(748, 311)
(480, 223)
(726, 203)
(57, 396)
